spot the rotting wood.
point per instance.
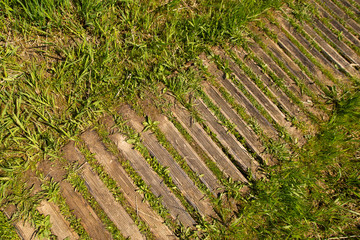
(239, 153)
(241, 99)
(193, 195)
(126, 185)
(212, 150)
(157, 185)
(186, 151)
(59, 226)
(111, 207)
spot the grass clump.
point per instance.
(314, 194)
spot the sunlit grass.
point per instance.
(65, 62)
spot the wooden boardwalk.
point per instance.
(275, 89)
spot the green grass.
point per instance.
(63, 63)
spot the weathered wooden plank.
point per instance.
(309, 48)
(346, 34)
(285, 102)
(260, 97)
(240, 154)
(350, 6)
(252, 140)
(341, 47)
(157, 185)
(23, 228)
(293, 52)
(185, 150)
(241, 99)
(59, 226)
(126, 185)
(341, 14)
(90, 221)
(111, 207)
(329, 52)
(288, 82)
(284, 47)
(193, 195)
(283, 99)
(207, 145)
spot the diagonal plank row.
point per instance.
(270, 90)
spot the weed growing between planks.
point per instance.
(315, 195)
(64, 62)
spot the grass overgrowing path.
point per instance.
(196, 119)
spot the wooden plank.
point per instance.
(346, 34)
(285, 46)
(341, 47)
(185, 150)
(310, 49)
(350, 7)
(260, 97)
(157, 185)
(126, 185)
(193, 195)
(59, 226)
(111, 207)
(341, 14)
(207, 145)
(285, 102)
(288, 82)
(240, 154)
(329, 52)
(25, 230)
(90, 221)
(293, 52)
(241, 99)
(252, 140)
